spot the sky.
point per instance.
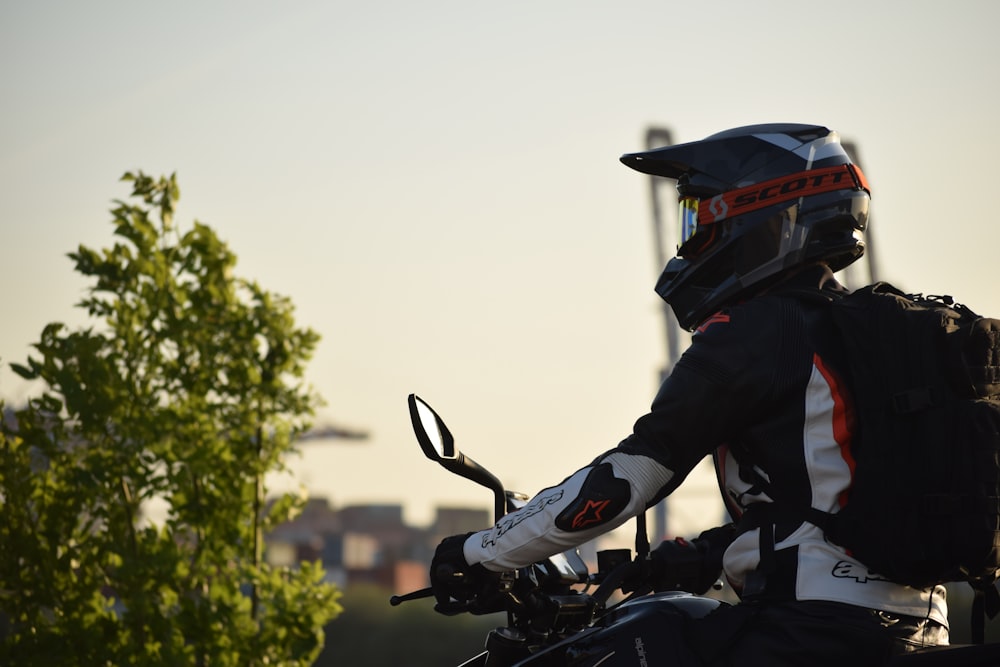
(436, 187)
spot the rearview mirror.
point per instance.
(434, 437)
(438, 445)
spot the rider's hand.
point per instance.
(459, 586)
(684, 565)
(713, 543)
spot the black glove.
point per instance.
(459, 586)
(682, 565)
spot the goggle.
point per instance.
(687, 215)
(695, 215)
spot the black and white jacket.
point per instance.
(759, 388)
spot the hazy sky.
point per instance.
(436, 186)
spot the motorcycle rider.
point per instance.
(768, 213)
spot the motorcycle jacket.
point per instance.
(760, 389)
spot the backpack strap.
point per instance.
(985, 604)
(772, 519)
(980, 345)
(776, 513)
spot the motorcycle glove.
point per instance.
(460, 587)
(685, 565)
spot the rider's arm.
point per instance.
(711, 390)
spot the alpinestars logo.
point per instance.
(861, 574)
(640, 650)
(531, 509)
(600, 498)
(590, 514)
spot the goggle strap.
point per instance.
(777, 190)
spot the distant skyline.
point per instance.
(436, 187)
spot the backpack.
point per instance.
(924, 505)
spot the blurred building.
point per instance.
(367, 543)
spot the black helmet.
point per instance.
(755, 202)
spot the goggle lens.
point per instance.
(688, 216)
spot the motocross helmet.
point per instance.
(754, 203)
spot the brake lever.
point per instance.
(397, 600)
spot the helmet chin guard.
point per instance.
(755, 203)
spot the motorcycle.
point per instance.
(561, 615)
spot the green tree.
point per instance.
(185, 392)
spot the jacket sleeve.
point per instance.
(699, 403)
(592, 501)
